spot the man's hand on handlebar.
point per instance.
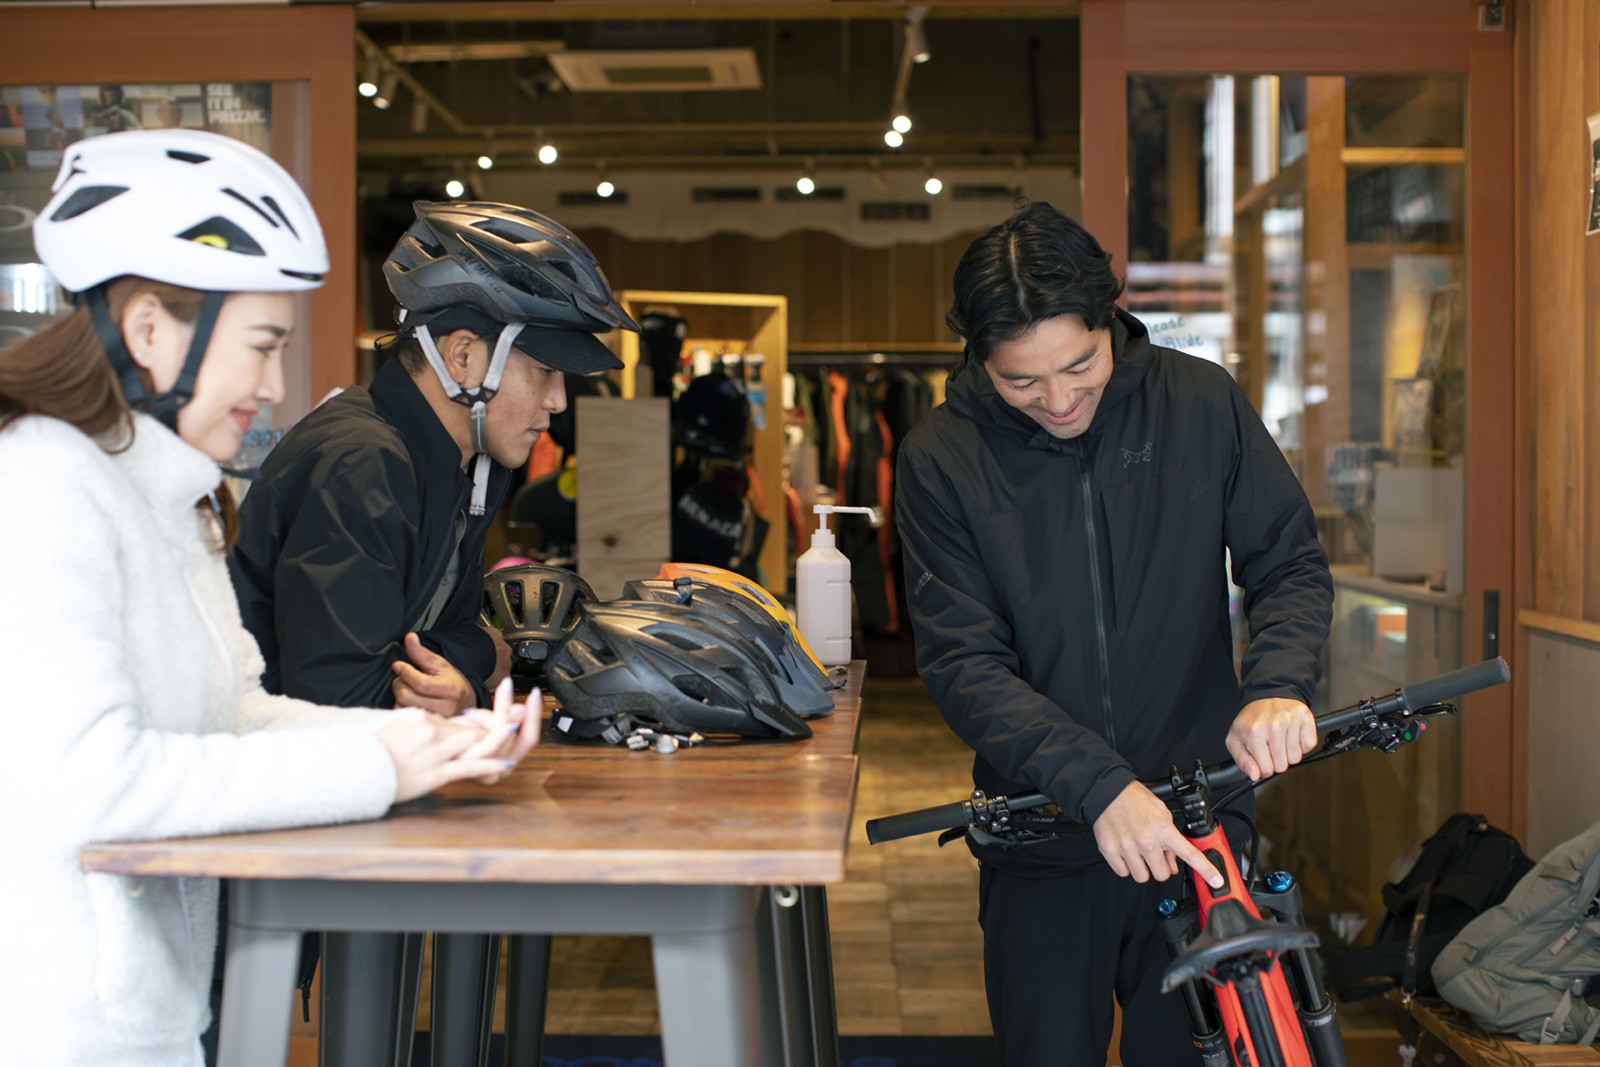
(1137, 837)
(1269, 736)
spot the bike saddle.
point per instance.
(1232, 933)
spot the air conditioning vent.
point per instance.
(672, 70)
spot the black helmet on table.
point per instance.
(665, 667)
(534, 606)
(802, 686)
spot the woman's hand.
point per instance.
(429, 751)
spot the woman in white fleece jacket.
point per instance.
(131, 692)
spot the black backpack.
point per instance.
(1466, 868)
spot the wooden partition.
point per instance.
(1558, 404)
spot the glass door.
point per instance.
(1309, 232)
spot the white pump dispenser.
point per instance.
(822, 589)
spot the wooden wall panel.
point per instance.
(1563, 677)
(1589, 303)
(1559, 340)
(839, 293)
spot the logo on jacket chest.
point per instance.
(1131, 456)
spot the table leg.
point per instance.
(708, 992)
(819, 969)
(464, 969)
(785, 986)
(369, 998)
(260, 971)
(527, 984)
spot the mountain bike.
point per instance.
(1243, 960)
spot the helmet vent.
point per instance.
(303, 275)
(676, 640)
(219, 232)
(253, 206)
(187, 157)
(86, 199)
(502, 229)
(549, 600)
(565, 268)
(278, 211)
(516, 274)
(691, 686)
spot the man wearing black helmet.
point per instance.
(359, 566)
(1064, 517)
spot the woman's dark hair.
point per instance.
(63, 372)
(1036, 265)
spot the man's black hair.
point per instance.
(1036, 265)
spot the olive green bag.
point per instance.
(1525, 966)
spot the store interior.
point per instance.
(779, 194)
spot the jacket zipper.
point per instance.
(1099, 598)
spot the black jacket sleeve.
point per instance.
(1280, 564)
(342, 602)
(965, 657)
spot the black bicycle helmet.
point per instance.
(533, 606)
(713, 416)
(803, 688)
(511, 264)
(666, 667)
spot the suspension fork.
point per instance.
(1254, 1004)
(1280, 895)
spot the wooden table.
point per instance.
(685, 848)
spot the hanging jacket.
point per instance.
(346, 536)
(1068, 597)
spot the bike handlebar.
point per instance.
(1403, 702)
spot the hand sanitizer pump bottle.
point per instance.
(822, 590)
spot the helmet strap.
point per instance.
(163, 406)
(476, 400)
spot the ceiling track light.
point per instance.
(806, 184)
(893, 138)
(419, 116)
(454, 188)
(932, 185)
(548, 153)
(916, 37)
(604, 188)
(386, 91)
(368, 85)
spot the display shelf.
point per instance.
(754, 324)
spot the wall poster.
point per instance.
(38, 122)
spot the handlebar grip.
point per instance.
(1448, 686)
(912, 823)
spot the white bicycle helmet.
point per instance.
(184, 207)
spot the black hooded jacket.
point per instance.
(1069, 597)
(346, 535)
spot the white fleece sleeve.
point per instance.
(79, 751)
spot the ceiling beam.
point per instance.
(391, 11)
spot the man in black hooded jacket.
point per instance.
(1064, 517)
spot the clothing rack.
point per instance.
(869, 358)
